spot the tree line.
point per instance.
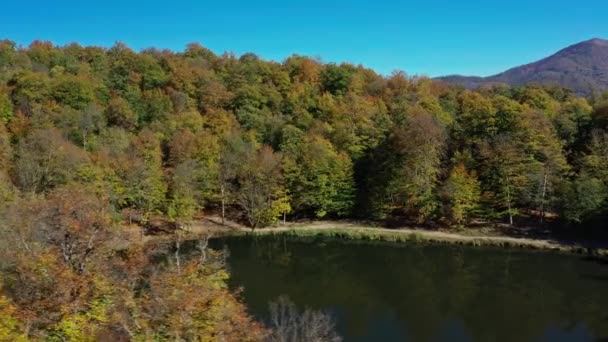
(174, 132)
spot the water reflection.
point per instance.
(380, 292)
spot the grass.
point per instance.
(365, 234)
(423, 237)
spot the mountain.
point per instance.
(582, 67)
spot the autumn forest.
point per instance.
(94, 138)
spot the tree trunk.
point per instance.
(509, 203)
(177, 259)
(223, 204)
(542, 202)
(202, 247)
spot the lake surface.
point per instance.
(413, 292)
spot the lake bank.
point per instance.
(368, 232)
(407, 235)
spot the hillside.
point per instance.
(582, 67)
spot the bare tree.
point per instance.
(202, 247)
(289, 325)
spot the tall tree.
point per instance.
(506, 168)
(260, 187)
(462, 192)
(45, 160)
(319, 178)
(409, 172)
(146, 187)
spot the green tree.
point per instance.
(6, 107)
(72, 91)
(336, 79)
(477, 120)
(319, 178)
(583, 199)
(462, 192)
(414, 169)
(29, 88)
(182, 203)
(506, 167)
(146, 187)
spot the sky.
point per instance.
(425, 37)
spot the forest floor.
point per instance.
(479, 235)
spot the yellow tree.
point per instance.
(462, 192)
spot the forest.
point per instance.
(93, 137)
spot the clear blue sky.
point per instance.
(430, 37)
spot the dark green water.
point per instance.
(384, 292)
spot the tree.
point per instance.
(10, 326)
(90, 121)
(506, 166)
(5, 149)
(72, 91)
(52, 245)
(29, 89)
(477, 120)
(282, 206)
(76, 221)
(146, 187)
(45, 159)
(336, 78)
(583, 199)
(288, 324)
(66, 280)
(572, 122)
(196, 305)
(156, 105)
(119, 113)
(409, 168)
(462, 192)
(182, 192)
(319, 178)
(234, 151)
(6, 107)
(508, 114)
(596, 161)
(260, 186)
(541, 140)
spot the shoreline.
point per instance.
(363, 232)
(407, 235)
(367, 232)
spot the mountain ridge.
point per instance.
(582, 67)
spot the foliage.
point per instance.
(64, 279)
(319, 178)
(259, 190)
(170, 133)
(10, 326)
(463, 194)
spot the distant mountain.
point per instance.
(582, 67)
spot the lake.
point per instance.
(416, 292)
